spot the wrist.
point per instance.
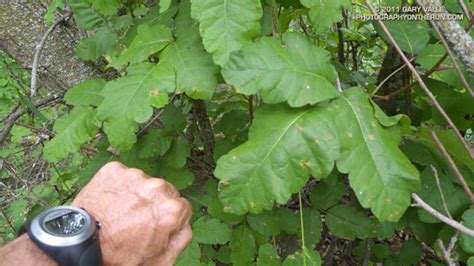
(22, 251)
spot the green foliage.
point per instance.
(261, 113)
(272, 67)
(226, 25)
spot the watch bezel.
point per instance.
(47, 238)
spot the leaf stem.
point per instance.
(303, 245)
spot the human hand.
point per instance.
(143, 220)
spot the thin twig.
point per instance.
(445, 253)
(420, 80)
(465, 9)
(453, 166)
(39, 47)
(453, 59)
(156, 117)
(454, 224)
(17, 114)
(391, 75)
(443, 200)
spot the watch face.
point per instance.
(65, 223)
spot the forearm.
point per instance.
(22, 251)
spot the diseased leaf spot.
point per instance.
(196, 89)
(373, 123)
(308, 87)
(357, 109)
(253, 205)
(300, 129)
(234, 157)
(371, 136)
(304, 163)
(227, 209)
(349, 135)
(154, 93)
(237, 90)
(338, 106)
(315, 141)
(328, 136)
(388, 200)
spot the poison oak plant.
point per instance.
(269, 117)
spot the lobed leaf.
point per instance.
(129, 101)
(296, 71)
(226, 25)
(286, 146)
(72, 131)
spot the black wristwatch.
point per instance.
(69, 235)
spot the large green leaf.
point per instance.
(150, 39)
(286, 146)
(72, 131)
(195, 70)
(412, 36)
(379, 173)
(129, 100)
(324, 13)
(226, 25)
(296, 71)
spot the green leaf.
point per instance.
(92, 48)
(410, 253)
(208, 230)
(216, 209)
(429, 56)
(72, 131)
(85, 15)
(226, 25)
(289, 221)
(311, 257)
(285, 146)
(195, 70)
(129, 100)
(324, 13)
(412, 36)
(267, 256)
(86, 93)
(150, 39)
(467, 242)
(266, 223)
(456, 199)
(312, 226)
(272, 68)
(379, 173)
(190, 256)
(164, 5)
(52, 7)
(242, 246)
(323, 195)
(155, 143)
(347, 222)
(181, 178)
(178, 153)
(106, 7)
(470, 261)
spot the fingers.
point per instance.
(173, 214)
(177, 244)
